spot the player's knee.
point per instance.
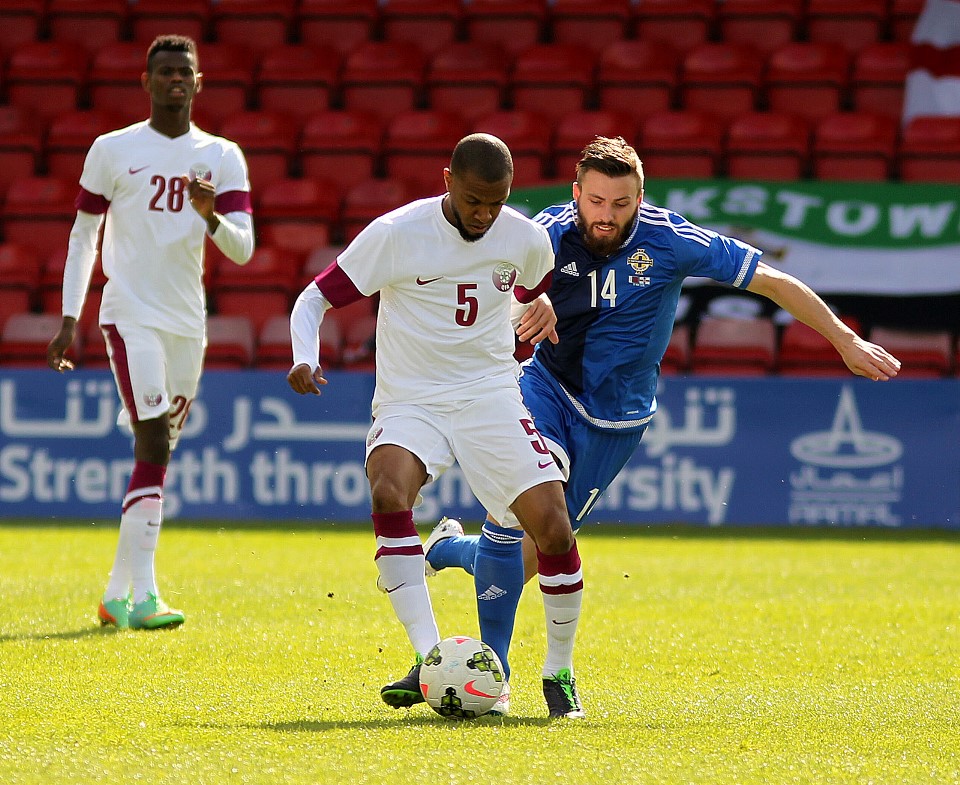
(555, 536)
(388, 494)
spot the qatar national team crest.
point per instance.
(152, 399)
(373, 436)
(503, 276)
(200, 172)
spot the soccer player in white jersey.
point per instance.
(446, 388)
(159, 186)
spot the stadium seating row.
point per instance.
(636, 77)
(341, 24)
(716, 345)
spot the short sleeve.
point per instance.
(369, 259)
(233, 173)
(97, 177)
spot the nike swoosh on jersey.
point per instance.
(425, 281)
(131, 170)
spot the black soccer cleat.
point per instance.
(560, 691)
(405, 692)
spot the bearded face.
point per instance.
(606, 210)
(604, 237)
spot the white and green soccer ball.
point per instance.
(461, 678)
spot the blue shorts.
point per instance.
(593, 457)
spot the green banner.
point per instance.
(857, 238)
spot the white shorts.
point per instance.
(156, 373)
(493, 439)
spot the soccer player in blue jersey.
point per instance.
(620, 264)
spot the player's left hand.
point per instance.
(538, 322)
(201, 194)
(869, 360)
(303, 381)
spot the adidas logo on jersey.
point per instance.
(491, 593)
(571, 269)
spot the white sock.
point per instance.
(142, 522)
(563, 614)
(402, 577)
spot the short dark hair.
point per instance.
(483, 155)
(172, 43)
(610, 156)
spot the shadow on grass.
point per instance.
(66, 635)
(400, 719)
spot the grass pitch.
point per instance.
(703, 657)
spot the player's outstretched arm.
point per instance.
(861, 357)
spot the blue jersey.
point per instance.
(615, 313)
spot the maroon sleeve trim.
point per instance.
(337, 286)
(233, 202)
(92, 203)
(529, 295)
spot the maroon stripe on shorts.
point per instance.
(121, 368)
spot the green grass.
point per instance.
(703, 657)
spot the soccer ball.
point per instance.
(461, 678)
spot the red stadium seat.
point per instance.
(24, 339)
(879, 72)
(902, 18)
(46, 77)
(19, 279)
(467, 77)
(551, 79)
(807, 79)
(230, 342)
(227, 80)
(260, 288)
(274, 350)
(20, 21)
(114, 81)
(39, 211)
(684, 23)
(341, 146)
(767, 146)
(19, 145)
(588, 23)
(854, 146)
(369, 199)
(930, 150)
(805, 352)
(69, 138)
(676, 359)
(764, 24)
(339, 25)
(513, 24)
(850, 23)
(924, 354)
(268, 141)
(637, 77)
(258, 25)
(297, 216)
(740, 347)
(578, 129)
(427, 24)
(680, 144)
(358, 322)
(383, 78)
(721, 79)
(417, 147)
(528, 136)
(90, 23)
(150, 18)
(297, 80)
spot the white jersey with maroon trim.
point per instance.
(443, 330)
(153, 240)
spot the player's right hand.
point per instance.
(302, 380)
(57, 348)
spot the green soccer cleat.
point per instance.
(115, 612)
(405, 692)
(560, 691)
(154, 614)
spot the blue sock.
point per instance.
(455, 552)
(498, 579)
